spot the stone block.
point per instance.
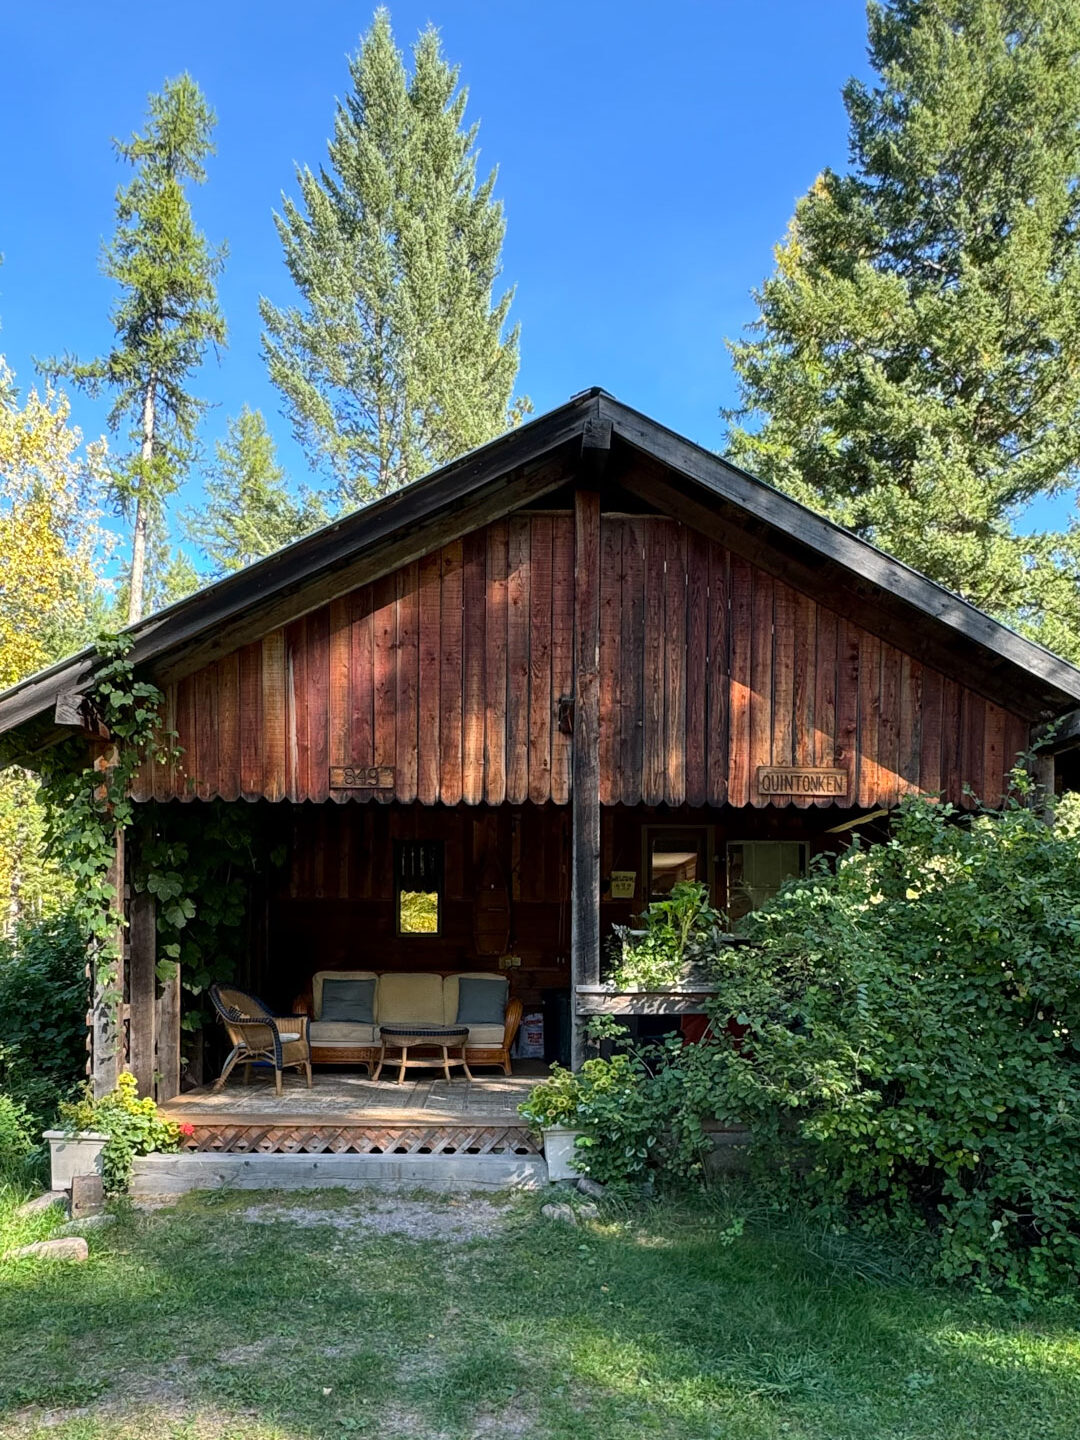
(87, 1195)
(42, 1202)
(70, 1247)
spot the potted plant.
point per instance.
(671, 939)
(75, 1148)
(552, 1108)
(104, 1136)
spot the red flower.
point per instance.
(187, 1130)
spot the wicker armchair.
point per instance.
(257, 1035)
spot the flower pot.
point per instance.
(74, 1153)
(559, 1152)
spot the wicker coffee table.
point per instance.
(427, 1037)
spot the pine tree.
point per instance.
(249, 511)
(169, 575)
(167, 314)
(915, 372)
(395, 359)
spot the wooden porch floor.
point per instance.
(345, 1112)
(352, 1096)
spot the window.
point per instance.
(673, 854)
(418, 886)
(757, 868)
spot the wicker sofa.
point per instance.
(420, 997)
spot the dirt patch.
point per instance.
(127, 1420)
(146, 1401)
(456, 1220)
(397, 1420)
(505, 1425)
(257, 1351)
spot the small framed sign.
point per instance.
(800, 780)
(623, 884)
(361, 777)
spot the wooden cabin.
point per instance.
(581, 662)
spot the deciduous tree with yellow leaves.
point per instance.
(51, 556)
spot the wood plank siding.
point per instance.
(449, 673)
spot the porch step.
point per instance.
(160, 1176)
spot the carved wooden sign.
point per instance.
(800, 780)
(361, 777)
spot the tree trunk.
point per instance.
(138, 563)
(142, 511)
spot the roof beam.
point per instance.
(1058, 735)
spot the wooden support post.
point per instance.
(167, 1033)
(106, 1016)
(142, 990)
(585, 793)
(1044, 773)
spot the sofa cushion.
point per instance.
(349, 1000)
(481, 1001)
(321, 975)
(403, 997)
(487, 1035)
(341, 1032)
(450, 991)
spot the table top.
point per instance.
(424, 1032)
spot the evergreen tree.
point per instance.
(167, 313)
(249, 511)
(169, 575)
(915, 369)
(395, 359)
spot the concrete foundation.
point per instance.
(159, 1176)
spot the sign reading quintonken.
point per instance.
(800, 780)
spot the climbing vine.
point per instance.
(198, 862)
(197, 866)
(88, 802)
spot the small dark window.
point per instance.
(756, 869)
(418, 886)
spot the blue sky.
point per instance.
(649, 159)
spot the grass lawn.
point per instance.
(407, 1318)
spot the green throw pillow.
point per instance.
(481, 1001)
(351, 1000)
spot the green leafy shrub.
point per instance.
(17, 1146)
(642, 1110)
(133, 1127)
(43, 998)
(674, 933)
(911, 1055)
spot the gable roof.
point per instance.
(665, 471)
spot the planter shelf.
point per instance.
(688, 997)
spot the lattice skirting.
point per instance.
(374, 1139)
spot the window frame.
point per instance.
(411, 856)
(729, 889)
(650, 832)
